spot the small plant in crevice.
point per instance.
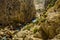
(51, 4)
(35, 30)
(27, 28)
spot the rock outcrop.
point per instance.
(22, 11)
(52, 24)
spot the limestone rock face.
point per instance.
(22, 11)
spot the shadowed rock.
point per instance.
(21, 11)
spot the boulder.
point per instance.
(21, 11)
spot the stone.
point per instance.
(57, 37)
(52, 23)
(22, 11)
